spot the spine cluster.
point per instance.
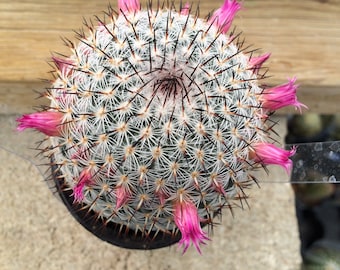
(157, 118)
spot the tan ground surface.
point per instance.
(37, 232)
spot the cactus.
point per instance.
(157, 118)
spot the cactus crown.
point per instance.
(157, 116)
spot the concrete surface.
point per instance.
(37, 232)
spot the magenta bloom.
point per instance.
(188, 221)
(64, 65)
(267, 153)
(224, 16)
(281, 96)
(128, 5)
(161, 196)
(256, 63)
(185, 9)
(85, 179)
(47, 122)
(122, 196)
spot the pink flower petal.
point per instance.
(122, 196)
(126, 6)
(47, 122)
(267, 153)
(85, 179)
(161, 196)
(64, 65)
(281, 96)
(188, 221)
(256, 63)
(224, 16)
(185, 9)
(78, 192)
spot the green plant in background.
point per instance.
(323, 255)
(317, 204)
(157, 118)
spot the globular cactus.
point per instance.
(157, 118)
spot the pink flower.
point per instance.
(267, 153)
(81, 153)
(185, 10)
(256, 63)
(224, 16)
(85, 179)
(188, 221)
(281, 96)
(161, 196)
(47, 122)
(64, 65)
(126, 6)
(122, 196)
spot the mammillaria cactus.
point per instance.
(157, 119)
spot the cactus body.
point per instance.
(157, 119)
